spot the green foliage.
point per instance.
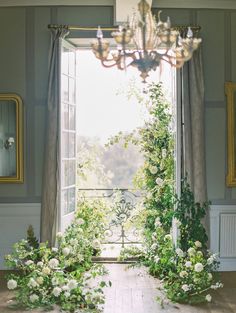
(64, 275)
(182, 283)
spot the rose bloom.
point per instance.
(73, 241)
(72, 284)
(168, 237)
(29, 262)
(191, 251)
(198, 267)
(183, 274)
(208, 298)
(56, 291)
(53, 263)
(46, 270)
(11, 284)
(66, 251)
(159, 181)
(210, 260)
(185, 287)
(40, 264)
(39, 280)
(153, 169)
(179, 252)
(96, 244)
(188, 264)
(198, 244)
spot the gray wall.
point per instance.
(24, 49)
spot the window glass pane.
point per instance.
(71, 63)
(65, 116)
(72, 90)
(72, 118)
(65, 88)
(71, 145)
(65, 145)
(71, 200)
(65, 61)
(64, 201)
(71, 173)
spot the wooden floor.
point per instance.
(134, 291)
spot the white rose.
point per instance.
(54, 249)
(210, 260)
(183, 274)
(40, 264)
(29, 262)
(156, 259)
(66, 251)
(198, 244)
(188, 264)
(208, 298)
(157, 222)
(179, 252)
(33, 298)
(39, 280)
(56, 291)
(191, 251)
(185, 287)
(168, 237)
(199, 253)
(59, 235)
(32, 283)
(80, 221)
(210, 276)
(96, 244)
(53, 263)
(159, 181)
(72, 284)
(67, 294)
(163, 153)
(11, 284)
(55, 281)
(65, 288)
(46, 270)
(73, 241)
(198, 267)
(153, 169)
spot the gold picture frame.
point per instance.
(230, 91)
(11, 139)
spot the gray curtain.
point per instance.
(50, 188)
(193, 128)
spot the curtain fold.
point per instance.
(50, 187)
(193, 118)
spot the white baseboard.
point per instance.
(15, 218)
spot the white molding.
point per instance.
(200, 4)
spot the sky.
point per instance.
(103, 106)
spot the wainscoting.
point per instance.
(223, 235)
(14, 221)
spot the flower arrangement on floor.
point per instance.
(64, 275)
(187, 271)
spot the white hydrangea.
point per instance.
(153, 169)
(185, 287)
(188, 264)
(80, 221)
(183, 274)
(179, 252)
(40, 264)
(72, 284)
(56, 291)
(73, 241)
(33, 298)
(198, 244)
(29, 262)
(53, 263)
(46, 270)
(208, 298)
(12, 284)
(191, 251)
(66, 251)
(198, 267)
(159, 181)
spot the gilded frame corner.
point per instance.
(230, 90)
(19, 177)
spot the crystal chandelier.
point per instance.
(144, 42)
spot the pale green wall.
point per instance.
(23, 62)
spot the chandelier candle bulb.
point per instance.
(144, 43)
